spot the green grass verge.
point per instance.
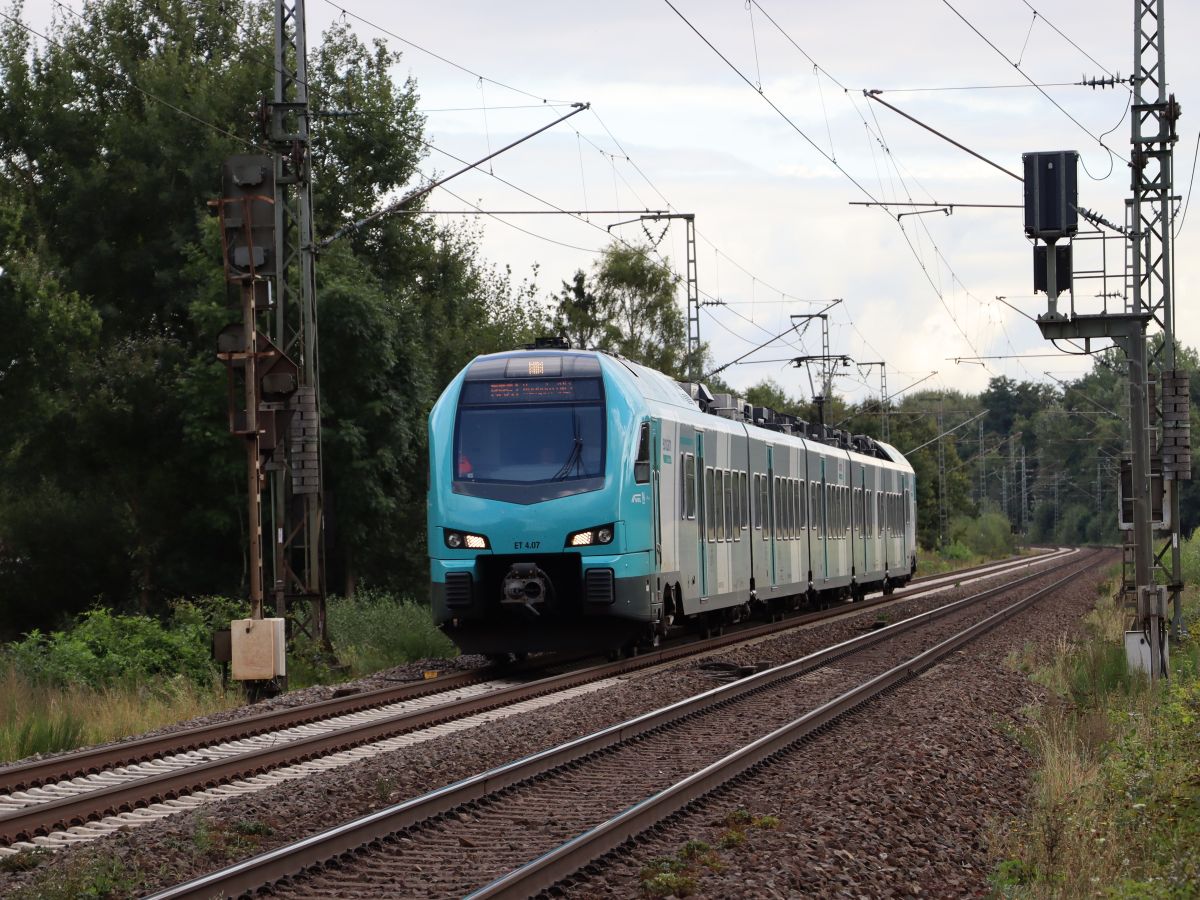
(1115, 805)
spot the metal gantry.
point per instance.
(1149, 215)
(296, 483)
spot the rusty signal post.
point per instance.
(261, 379)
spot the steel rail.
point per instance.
(552, 867)
(291, 859)
(71, 765)
(61, 768)
(77, 809)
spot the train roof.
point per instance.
(557, 360)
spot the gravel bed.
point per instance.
(897, 802)
(191, 843)
(451, 857)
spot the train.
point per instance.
(581, 501)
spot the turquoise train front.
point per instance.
(540, 528)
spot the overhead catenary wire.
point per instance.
(1057, 105)
(917, 255)
(622, 151)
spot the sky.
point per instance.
(770, 161)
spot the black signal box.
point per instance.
(1051, 194)
(1062, 268)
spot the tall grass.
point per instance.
(1115, 805)
(36, 717)
(376, 630)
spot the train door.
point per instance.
(825, 523)
(863, 565)
(656, 489)
(770, 511)
(690, 528)
(705, 521)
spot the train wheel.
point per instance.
(888, 587)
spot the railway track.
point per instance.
(81, 796)
(530, 823)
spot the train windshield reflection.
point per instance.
(530, 444)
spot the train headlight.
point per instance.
(457, 540)
(601, 534)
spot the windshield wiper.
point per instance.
(575, 458)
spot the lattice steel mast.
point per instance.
(297, 485)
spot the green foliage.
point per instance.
(770, 393)
(957, 552)
(23, 861)
(1115, 809)
(667, 877)
(629, 307)
(988, 534)
(738, 818)
(375, 630)
(731, 838)
(104, 649)
(115, 453)
(85, 875)
(49, 730)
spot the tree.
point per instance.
(771, 394)
(629, 308)
(115, 453)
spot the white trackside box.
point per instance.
(259, 649)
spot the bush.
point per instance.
(988, 534)
(103, 649)
(375, 630)
(958, 552)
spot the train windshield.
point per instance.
(530, 431)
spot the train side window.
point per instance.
(791, 508)
(796, 508)
(735, 497)
(744, 493)
(764, 506)
(718, 507)
(710, 505)
(736, 505)
(778, 512)
(781, 513)
(729, 504)
(641, 466)
(906, 508)
(757, 515)
(785, 502)
(689, 486)
(802, 502)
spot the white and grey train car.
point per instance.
(756, 508)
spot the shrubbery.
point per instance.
(988, 534)
(375, 630)
(103, 649)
